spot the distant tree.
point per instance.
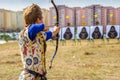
(5, 37)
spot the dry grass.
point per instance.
(75, 60)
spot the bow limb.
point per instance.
(57, 36)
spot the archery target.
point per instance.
(67, 33)
(112, 31)
(83, 32)
(119, 31)
(96, 32)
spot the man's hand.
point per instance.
(55, 31)
(46, 28)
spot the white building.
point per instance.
(1, 19)
(20, 24)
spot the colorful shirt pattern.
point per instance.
(32, 54)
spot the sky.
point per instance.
(17, 5)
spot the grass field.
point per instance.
(80, 60)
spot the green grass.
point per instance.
(75, 60)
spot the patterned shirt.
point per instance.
(32, 42)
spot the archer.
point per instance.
(32, 42)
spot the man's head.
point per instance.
(32, 14)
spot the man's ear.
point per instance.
(38, 21)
